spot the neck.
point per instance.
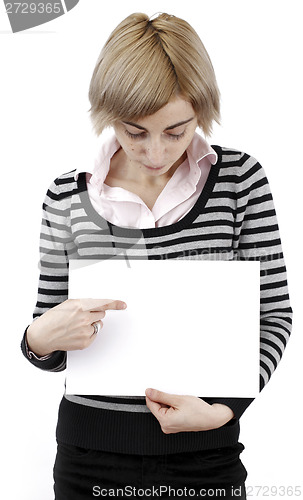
(123, 168)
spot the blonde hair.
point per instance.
(144, 64)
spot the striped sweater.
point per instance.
(234, 218)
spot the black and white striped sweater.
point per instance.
(234, 218)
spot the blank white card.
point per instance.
(190, 327)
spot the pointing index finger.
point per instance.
(114, 304)
(94, 305)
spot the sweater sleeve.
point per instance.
(55, 247)
(256, 237)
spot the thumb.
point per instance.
(162, 397)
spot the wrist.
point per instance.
(222, 414)
(34, 344)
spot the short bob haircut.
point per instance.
(144, 64)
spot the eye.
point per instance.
(135, 136)
(176, 137)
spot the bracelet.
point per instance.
(31, 354)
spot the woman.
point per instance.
(158, 190)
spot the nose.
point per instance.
(155, 153)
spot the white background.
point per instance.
(256, 50)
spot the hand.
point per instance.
(68, 326)
(186, 413)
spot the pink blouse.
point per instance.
(124, 208)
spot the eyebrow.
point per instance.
(167, 128)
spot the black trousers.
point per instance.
(81, 474)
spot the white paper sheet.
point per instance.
(191, 327)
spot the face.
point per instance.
(156, 145)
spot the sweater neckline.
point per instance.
(153, 231)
